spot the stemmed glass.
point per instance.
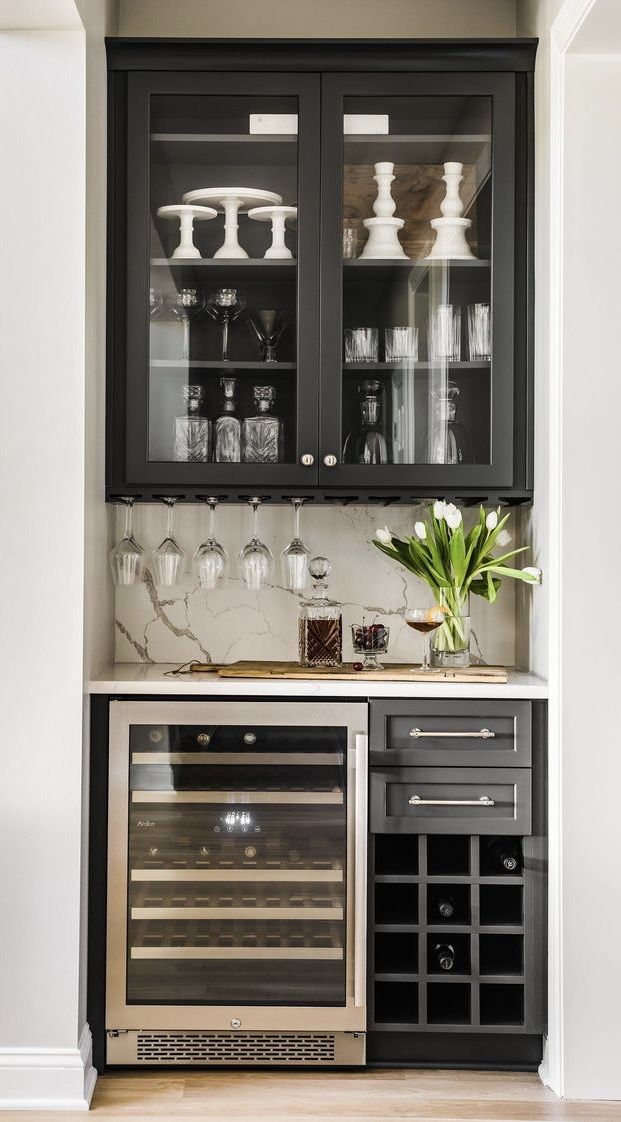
(185, 305)
(224, 305)
(425, 620)
(256, 563)
(268, 327)
(168, 558)
(295, 556)
(127, 558)
(210, 559)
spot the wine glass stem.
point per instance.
(129, 520)
(426, 651)
(212, 520)
(186, 337)
(225, 339)
(296, 520)
(170, 520)
(255, 521)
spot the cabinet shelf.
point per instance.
(357, 367)
(225, 263)
(222, 367)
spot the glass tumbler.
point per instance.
(445, 333)
(361, 344)
(401, 344)
(350, 242)
(479, 332)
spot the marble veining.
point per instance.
(166, 625)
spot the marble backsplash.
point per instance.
(229, 623)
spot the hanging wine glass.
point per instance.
(168, 558)
(268, 327)
(127, 558)
(224, 305)
(210, 560)
(185, 305)
(256, 563)
(295, 556)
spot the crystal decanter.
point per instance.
(263, 433)
(321, 621)
(367, 443)
(192, 430)
(449, 440)
(227, 428)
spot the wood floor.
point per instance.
(306, 1096)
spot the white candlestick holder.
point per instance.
(383, 240)
(451, 243)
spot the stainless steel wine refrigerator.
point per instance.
(236, 928)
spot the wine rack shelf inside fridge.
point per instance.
(434, 894)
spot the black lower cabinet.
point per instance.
(457, 937)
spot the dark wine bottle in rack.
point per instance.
(445, 906)
(505, 855)
(444, 956)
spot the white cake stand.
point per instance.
(231, 200)
(277, 215)
(187, 216)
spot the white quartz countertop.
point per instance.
(141, 679)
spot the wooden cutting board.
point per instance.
(392, 672)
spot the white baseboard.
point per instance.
(48, 1078)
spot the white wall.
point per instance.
(591, 548)
(318, 18)
(578, 159)
(42, 188)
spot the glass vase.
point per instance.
(450, 643)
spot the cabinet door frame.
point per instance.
(501, 87)
(132, 382)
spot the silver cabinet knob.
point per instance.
(203, 738)
(330, 460)
(307, 459)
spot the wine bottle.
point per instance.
(505, 855)
(444, 956)
(446, 906)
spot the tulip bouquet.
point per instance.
(455, 563)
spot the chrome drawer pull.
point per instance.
(484, 800)
(482, 734)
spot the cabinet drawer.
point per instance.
(452, 733)
(425, 800)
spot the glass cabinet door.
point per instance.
(418, 253)
(237, 865)
(222, 233)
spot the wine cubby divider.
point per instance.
(492, 927)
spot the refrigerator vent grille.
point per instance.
(234, 1047)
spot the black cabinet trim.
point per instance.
(325, 54)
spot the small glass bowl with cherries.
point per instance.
(369, 642)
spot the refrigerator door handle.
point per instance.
(360, 884)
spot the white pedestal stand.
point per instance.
(277, 215)
(451, 229)
(231, 200)
(187, 216)
(383, 241)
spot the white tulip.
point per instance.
(420, 531)
(532, 573)
(492, 520)
(452, 516)
(384, 536)
(503, 538)
(439, 508)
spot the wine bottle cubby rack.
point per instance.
(493, 929)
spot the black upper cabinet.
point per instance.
(356, 347)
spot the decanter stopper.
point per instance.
(320, 569)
